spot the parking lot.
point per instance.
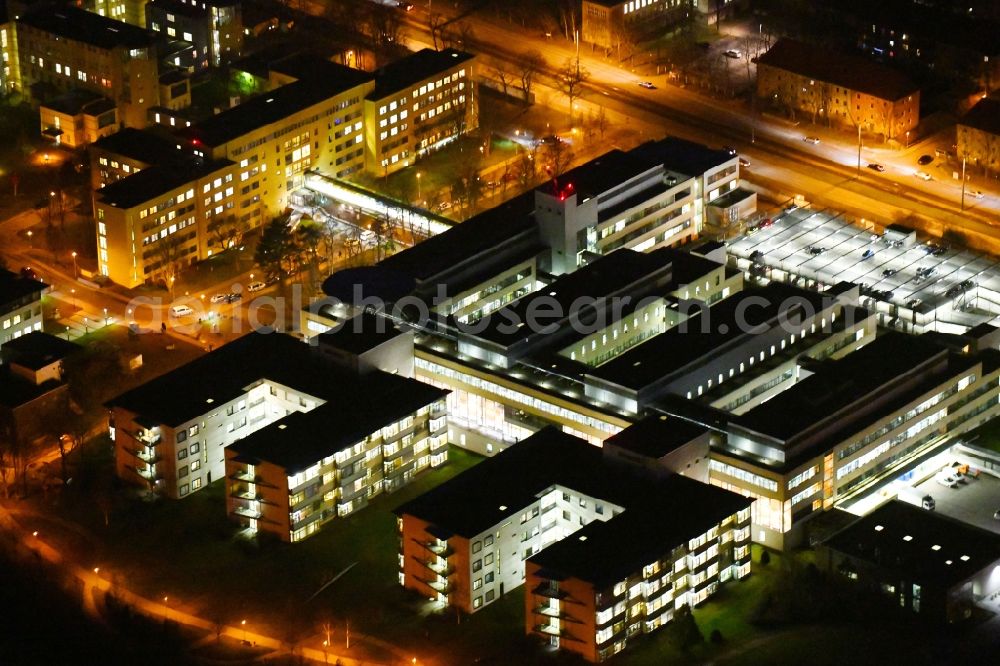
(916, 287)
(973, 502)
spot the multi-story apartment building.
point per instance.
(152, 223)
(853, 424)
(978, 135)
(61, 48)
(419, 103)
(276, 137)
(212, 28)
(952, 40)
(309, 468)
(10, 71)
(604, 548)
(610, 24)
(284, 400)
(838, 88)
(20, 305)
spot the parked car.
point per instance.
(181, 311)
(868, 254)
(946, 479)
(255, 286)
(811, 139)
(233, 297)
(875, 166)
(924, 160)
(444, 205)
(923, 175)
(816, 250)
(219, 298)
(977, 194)
(744, 162)
(889, 272)
(648, 85)
(734, 53)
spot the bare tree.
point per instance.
(529, 64)
(436, 23)
(558, 156)
(570, 80)
(499, 68)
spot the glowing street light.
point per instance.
(75, 272)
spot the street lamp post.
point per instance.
(243, 623)
(418, 186)
(76, 273)
(31, 244)
(859, 151)
(963, 185)
(907, 138)
(73, 296)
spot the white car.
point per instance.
(181, 311)
(255, 286)
(219, 298)
(734, 53)
(946, 480)
(811, 139)
(922, 175)
(978, 195)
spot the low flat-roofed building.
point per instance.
(664, 444)
(38, 356)
(580, 536)
(171, 434)
(935, 566)
(853, 423)
(20, 305)
(617, 24)
(847, 89)
(78, 118)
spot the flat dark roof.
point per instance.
(310, 65)
(985, 116)
(685, 344)
(183, 394)
(660, 513)
(155, 181)
(77, 101)
(406, 71)
(145, 145)
(271, 107)
(78, 25)
(608, 275)
(962, 550)
(656, 435)
(37, 349)
(837, 384)
(14, 287)
(687, 157)
(362, 404)
(16, 391)
(848, 70)
(483, 234)
(359, 334)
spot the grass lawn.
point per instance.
(187, 550)
(986, 436)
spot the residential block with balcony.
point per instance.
(585, 538)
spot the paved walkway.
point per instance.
(92, 581)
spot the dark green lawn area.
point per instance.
(986, 436)
(188, 550)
